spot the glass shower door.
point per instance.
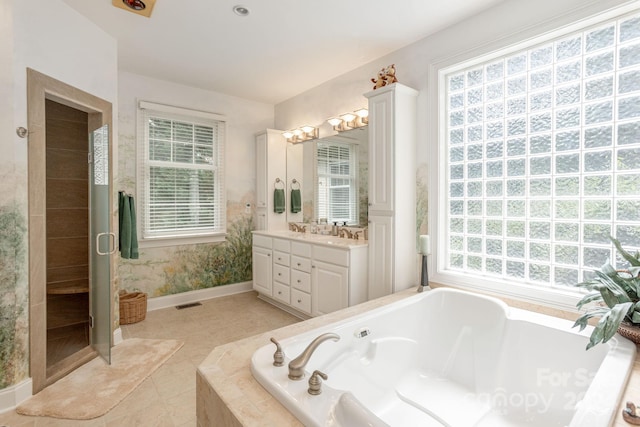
(102, 242)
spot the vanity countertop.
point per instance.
(318, 239)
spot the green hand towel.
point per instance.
(296, 201)
(127, 222)
(278, 200)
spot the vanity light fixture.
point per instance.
(347, 121)
(304, 133)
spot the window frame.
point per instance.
(559, 297)
(143, 164)
(354, 153)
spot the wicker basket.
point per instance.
(133, 307)
(630, 331)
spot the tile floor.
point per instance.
(168, 396)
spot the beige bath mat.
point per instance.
(94, 388)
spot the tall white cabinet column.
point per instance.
(278, 163)
(271, 165)
(392, 189)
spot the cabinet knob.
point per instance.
(279, 274)
(299, 300)
(279, 292)
(313, 266)
(279, 259)
(370, 204)
(299, 264)
(298, 280)
(268, 254)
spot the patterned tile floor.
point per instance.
(168, 396)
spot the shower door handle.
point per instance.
(112, 243)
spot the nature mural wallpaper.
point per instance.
(14, 348)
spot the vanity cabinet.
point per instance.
(262, 265)
(310, 277)
(392, 189)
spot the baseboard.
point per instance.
(11, 397)
(117, 336)
(197, 295)
(300, 315)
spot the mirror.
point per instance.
(359, 137)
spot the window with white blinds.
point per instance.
(181, 173)
(337, 182)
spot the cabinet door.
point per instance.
(262, 279)
(381, 146)
(380, 256)
(329, 287)
(261, 171)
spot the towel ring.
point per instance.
(278, 181)
(294, 182)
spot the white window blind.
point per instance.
(542, 152)
(181, 172)
(337, 187)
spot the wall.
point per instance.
(175, 269)
(507, 22)
(43, 35)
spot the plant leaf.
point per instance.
(634, 261)
(593, 296)
(609, 323)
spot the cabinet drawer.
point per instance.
(330, 255)
(301, 280)
(301, 301)
(281, 274)
(262, 241)
(301, 249)
(302, 264)
(281, 245)
(281, 258)
(281, 292)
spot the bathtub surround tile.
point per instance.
(202, 329)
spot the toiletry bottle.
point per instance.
(334, 229)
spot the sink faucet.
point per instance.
(296, 366)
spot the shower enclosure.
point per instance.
(71, 238)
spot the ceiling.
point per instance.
(281, 49)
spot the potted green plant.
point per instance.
(614, 297)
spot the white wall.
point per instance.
(509, 22)
(50, 37)
(244, 119)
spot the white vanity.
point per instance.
(309, 274)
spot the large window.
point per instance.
(542, 157)
(181, 174)
(337, 184)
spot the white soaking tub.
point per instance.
(452, 358)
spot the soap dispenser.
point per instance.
(334, 229)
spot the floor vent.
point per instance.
(192, 304)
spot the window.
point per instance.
(337, 184)
(181, 174)
(541, 151)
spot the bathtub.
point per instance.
(452, 358)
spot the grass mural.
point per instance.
(207, 266)
(12, 252)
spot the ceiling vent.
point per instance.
(139, 7)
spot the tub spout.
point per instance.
(297, 365)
